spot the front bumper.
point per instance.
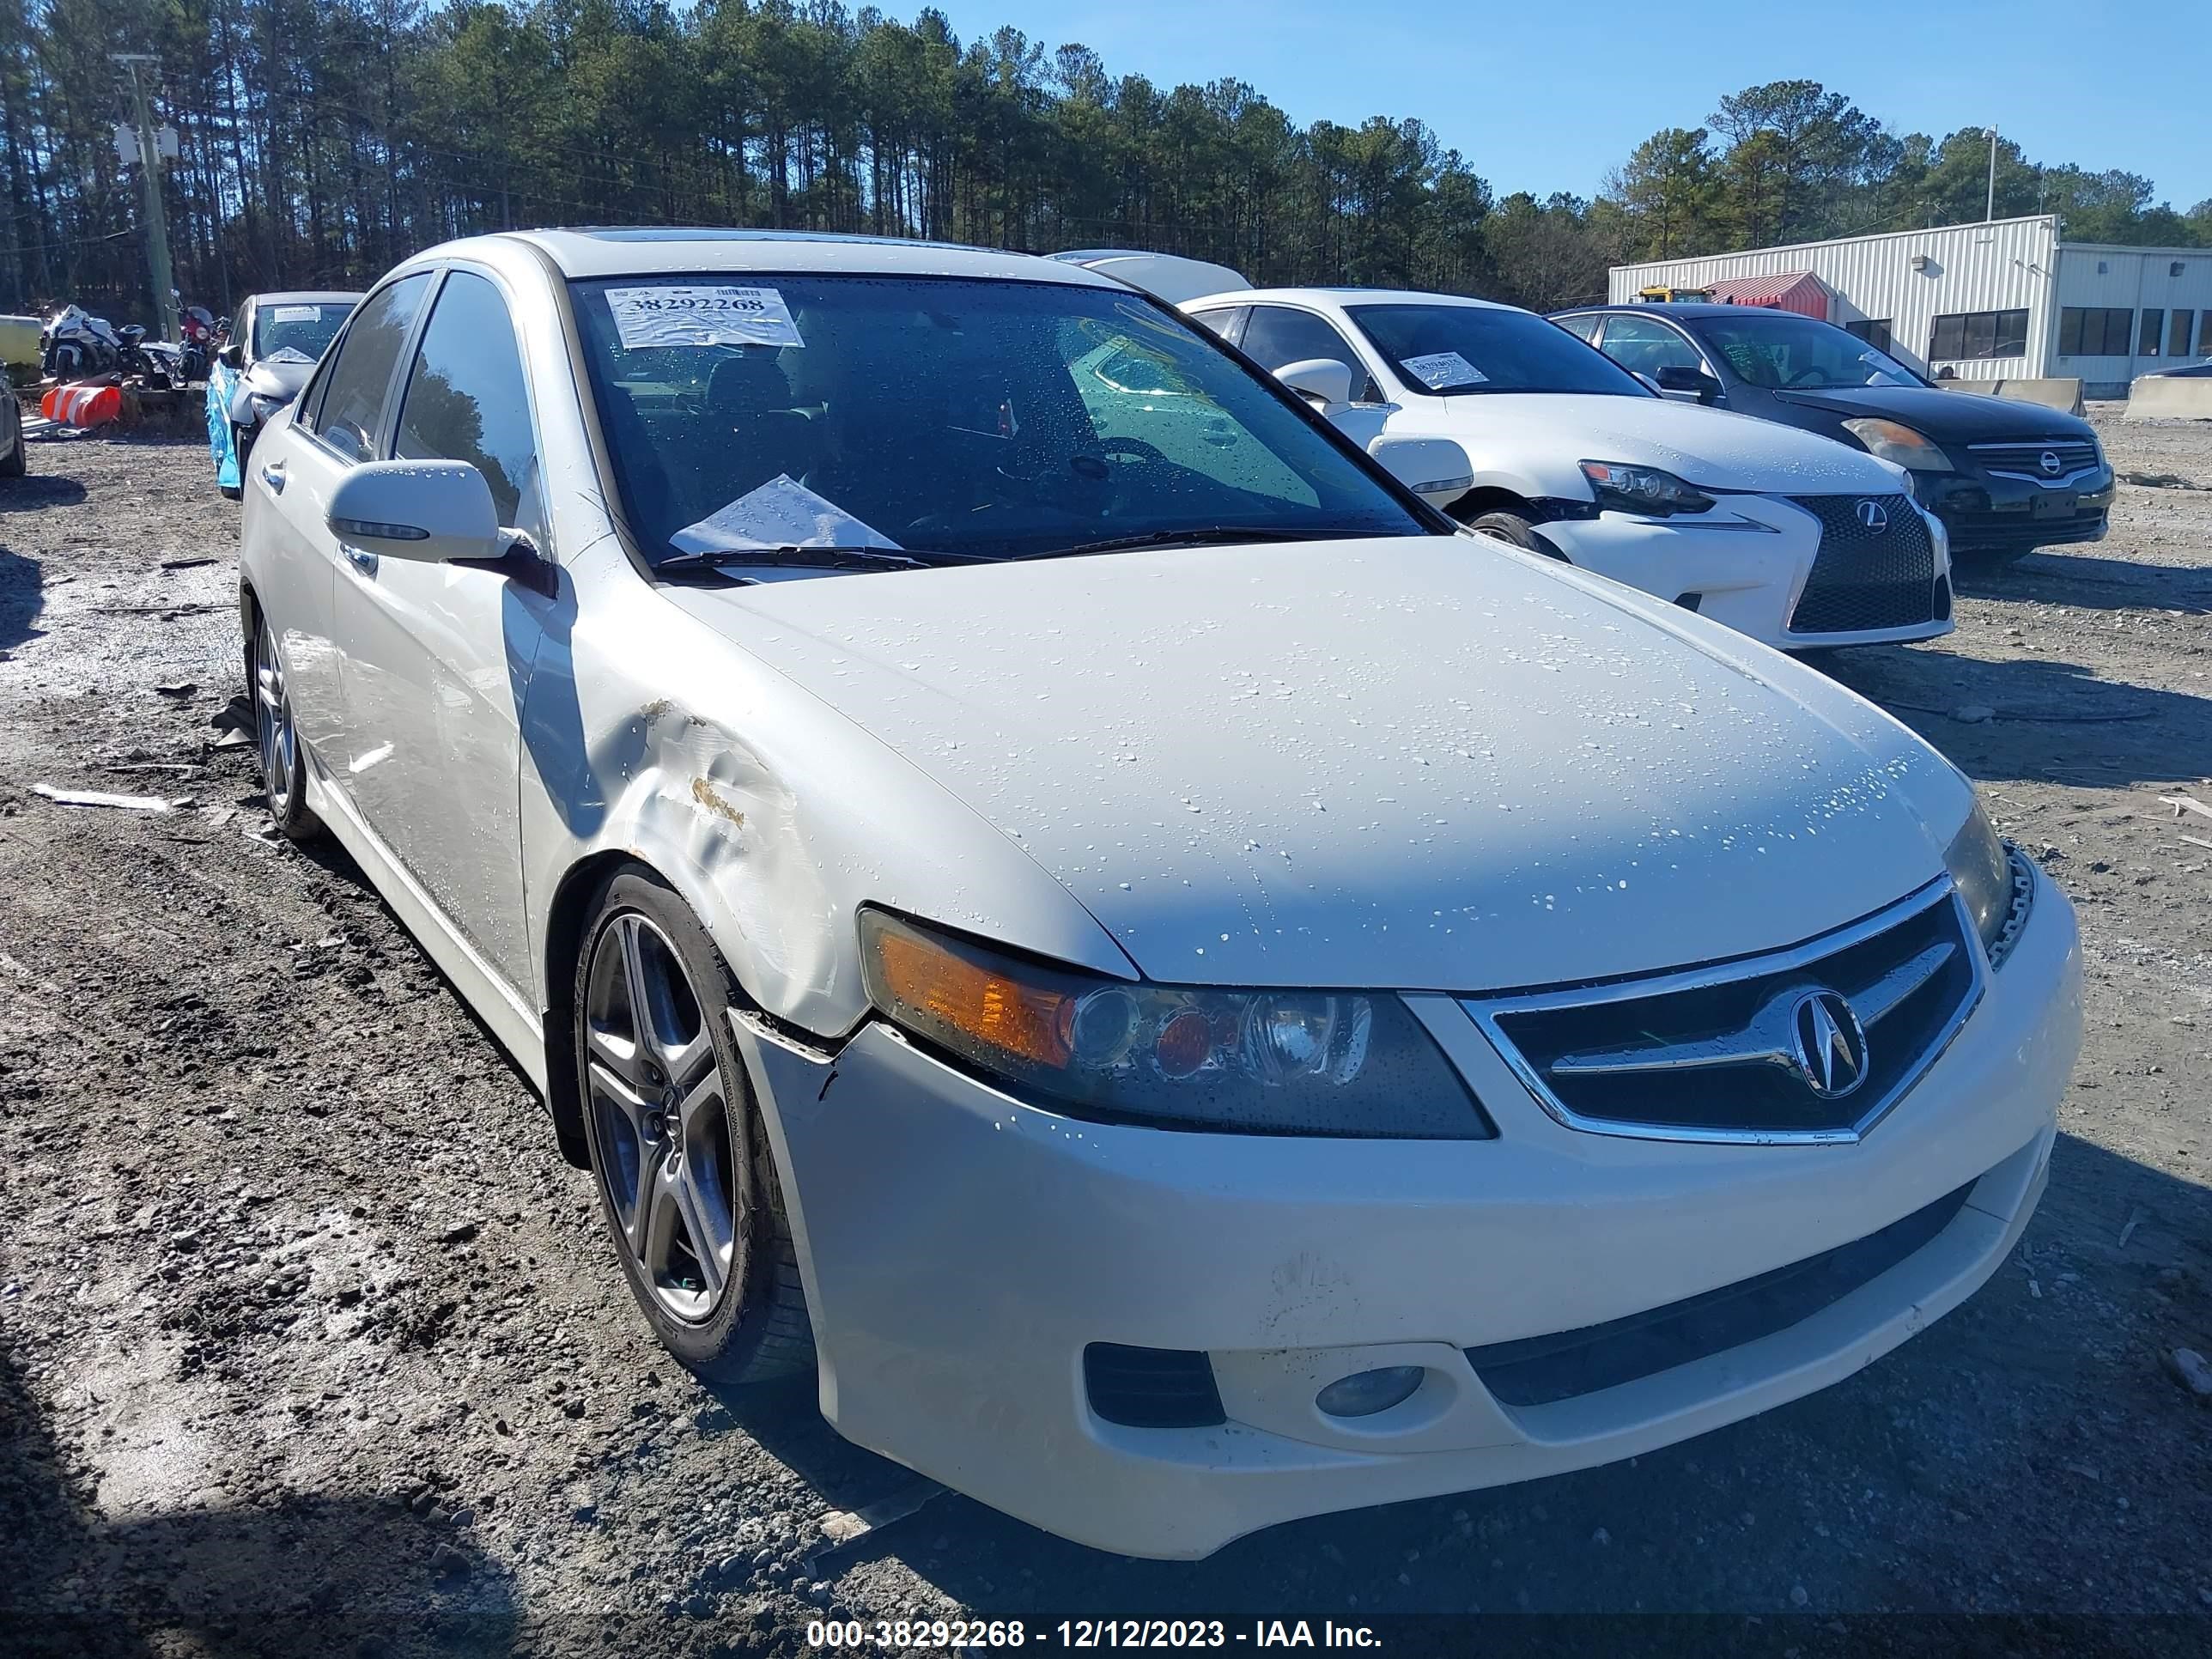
(1745, 565)
(961, 1249)
(1988, 512)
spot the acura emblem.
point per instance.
(2050, 462)
(1874, 516)
(1830, 1050)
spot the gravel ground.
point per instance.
(310, 1342)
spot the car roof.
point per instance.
(1685, 310)
(1366, 296)
(653, 250)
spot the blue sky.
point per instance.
(1548, 97)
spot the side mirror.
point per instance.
(1686, 380)
(1436, 469)
(233, 355)
(1324, 379)
(433, 511)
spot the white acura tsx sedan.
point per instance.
(1510, 423)
(1194, 993)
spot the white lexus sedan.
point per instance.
(1511, 424)
(1194, 993)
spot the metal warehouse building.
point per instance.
(2005, 300)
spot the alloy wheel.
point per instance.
(272, 723)
(663, 1119)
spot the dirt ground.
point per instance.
(310, 1342)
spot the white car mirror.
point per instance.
(1322, 379)
(434, 512)
(1435, 469)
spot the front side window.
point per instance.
(301, 329)
(969, 417)
(1276, 336)
(1584, 327)
(1974, 336)
(1644, 345)
(355, 387)
(1780, 350)
(466, 399)
(1451, 351)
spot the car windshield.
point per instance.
(1454, 350)
(973, 418)
(302, 327)
(1780, 351)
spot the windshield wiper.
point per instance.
(818, 556)
(1212, 535)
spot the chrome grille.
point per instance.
(1727, 1053)
(1864, 578)
(2024, 459)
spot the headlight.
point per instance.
(1895, 442)
(1983, 871)
(1644, 490)
(1255, 1062)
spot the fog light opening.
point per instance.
(1364, 1394)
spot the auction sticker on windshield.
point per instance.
(1443, 369)
(701, 317)
(298, 313)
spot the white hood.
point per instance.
(1708, 447)
(1419, 763)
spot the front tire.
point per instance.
(687, 1183)
(1512, 527)
(17, 461)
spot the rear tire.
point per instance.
(277, 740)
(1512, 527)
(688, 1185)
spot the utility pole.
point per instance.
(1990, 212)
(149, 181)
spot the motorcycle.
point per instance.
(75, 345)
(200, 344)
(159, 364)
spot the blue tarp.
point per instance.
(222, 381)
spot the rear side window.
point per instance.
(466, 399)
(1228, 321)
(1584, 327)
(353, 398)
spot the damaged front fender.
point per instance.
(648, 734)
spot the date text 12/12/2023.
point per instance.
(897, 1634)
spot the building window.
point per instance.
(2154, 324)
(2204, 333)
(2177, 334)
(1977, 334)
(2094, 331)
(1875, 331)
